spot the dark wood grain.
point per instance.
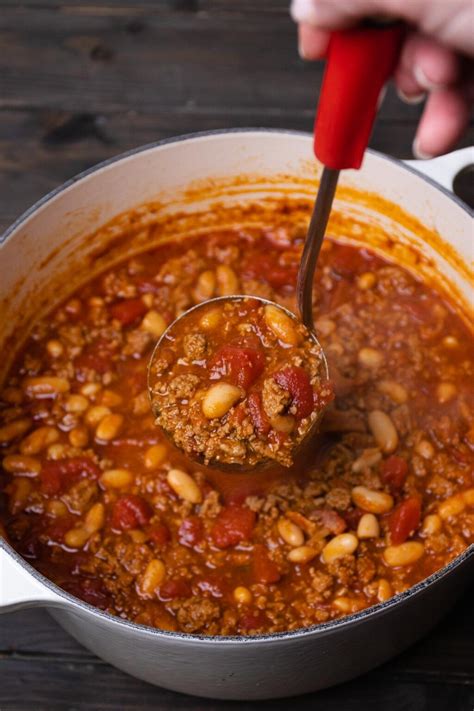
(436, 673)
(41, 148)
(56, 685)
(81, 81)
(446, 654)
(176, 61)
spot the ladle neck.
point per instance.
(314, 240)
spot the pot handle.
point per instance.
(20, 588)
(444, 169)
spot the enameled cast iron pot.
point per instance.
(41, 246)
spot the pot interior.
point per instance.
(176, 189)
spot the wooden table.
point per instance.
(81, 81)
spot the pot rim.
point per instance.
(322, 628)
(205, 134)
(225, 640)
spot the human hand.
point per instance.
(433, 61)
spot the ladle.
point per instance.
(359, 62)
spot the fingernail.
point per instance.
(423, 80)
(301, 49)
(411, 99)
(303, 11)
(418, 153)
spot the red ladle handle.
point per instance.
(359, 63)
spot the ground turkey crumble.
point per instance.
(96, 498)
(239, 382)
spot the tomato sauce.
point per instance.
(96, 498)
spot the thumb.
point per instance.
(336, 14)
(448, 22)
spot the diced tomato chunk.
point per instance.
(233, 525)
(296, 381)
(404, 519)
(128, 311)
(159, 534)
(191, 531)
(58, 475)
(264, 570)
(174, 588)
(240, 362)
(269, 269)
(239, 488)
(130, 511)
(252, 620)
(394, 471)
(257, 414)
(51, 478)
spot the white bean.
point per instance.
(184, 486)
(375, 502)
(281, 325)
(343, 544)
(219, 399)
(383, 431)
(290, 532)
(368, 526)
(404, 554)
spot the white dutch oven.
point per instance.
(38, 250)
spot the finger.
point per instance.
(444, 120)
(408, 88)
(431, 64)
(312, 43)
(333, 15)
(424, 65)
(449, 22)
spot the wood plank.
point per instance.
(446, 655)
(40, 149)
(179, 61)
(202, 71)
(34, 633)
(269, 7)
(52, 685)
(188, 60)
(82, 80)
(37, 656)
